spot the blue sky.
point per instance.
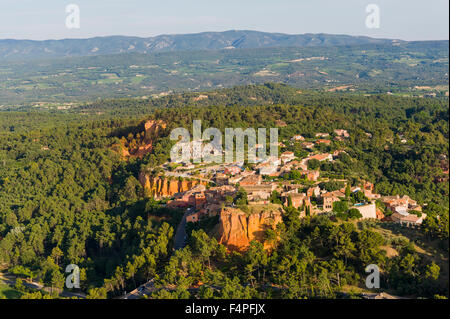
(400, 19)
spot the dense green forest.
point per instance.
(67, 197)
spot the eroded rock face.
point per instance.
(144, 145)
(160, 187)
(152, 129)
(236, 230)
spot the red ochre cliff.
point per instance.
(142, 143)
(160, 186)
(237, 229)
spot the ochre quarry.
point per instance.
(237, 229)
(139, 147)
(152, 129)
(160, 187)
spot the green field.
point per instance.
(370, 68)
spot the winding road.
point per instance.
(10, 280)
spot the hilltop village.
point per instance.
(339, 194)
(265, 188)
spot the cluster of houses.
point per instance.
(401, 208)
(206, 202)
(229, 178)
(322, 138)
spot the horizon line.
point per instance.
(202, 32)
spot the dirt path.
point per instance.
(10, 280)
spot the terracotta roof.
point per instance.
(334, 194)
(319, 157)
(251, 180)
(406, 218)
(323, 141)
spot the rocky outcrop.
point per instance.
(153, 129)
(160, 186)
(137, 147)
(236, 229)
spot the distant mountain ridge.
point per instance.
(30, 49)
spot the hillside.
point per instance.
(28, 49)
(68, 197)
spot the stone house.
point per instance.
(342, 133)
(322, 134)
(331, 197)
(313, 191)
(322, 141)
(297, 199)
(268, 170)
(251, 180)
(287, 156)
(192, 217)
(308, 145)
(407, 219)
(311, 175)
(221, 179)
(320, 157)
(397, 203)
(298, 138)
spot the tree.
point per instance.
(307, 211)
(338, 267)
(202, 245)
(130, 271)
(289, 200)
(57, 280)
(340, 206)
(19, 285)
(353, 213)
(347, 191)
(206, 292)
(232, 289)
(228, 200)
(295, 174)
(256, 259)
(241, 197)
(275, 197)
(56, 255)
(332, 185)
(96, 293)
(340, 241)
(313, 164)
(368, 246)
(359, 197)
(432, 271)
(408, 264)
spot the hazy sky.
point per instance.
(400, 19)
